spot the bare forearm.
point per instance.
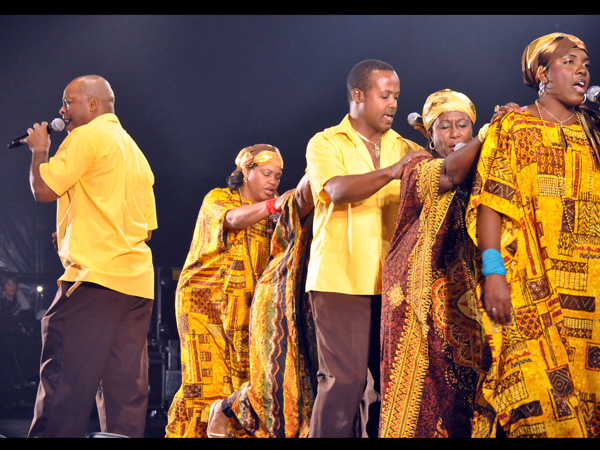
(37, 158)
(39, 144)
(496, 290)
(245, 216)
(458, 166)
(489, 228)
(355, 188)
(303, 197)
(41, 192)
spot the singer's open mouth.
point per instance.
(580, 86)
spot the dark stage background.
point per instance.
(193, 90)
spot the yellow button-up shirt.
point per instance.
(351, 240)
(105, 207)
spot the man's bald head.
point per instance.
(86, 98)
(96, 86)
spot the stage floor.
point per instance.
(15, 422)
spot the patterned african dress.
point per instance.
(543, 378)
(277, 400)
(212, 306)
(431, 337)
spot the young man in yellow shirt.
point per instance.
(94, 333)
(355, 170)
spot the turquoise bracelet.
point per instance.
(492, 262)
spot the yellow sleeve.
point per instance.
(324, 161)
(72, 160)
(495, 184)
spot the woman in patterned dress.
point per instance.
(534, 214)
(430, 332)
(277, 399)
(228, 253)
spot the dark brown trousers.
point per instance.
(93, 347)
(347, 330)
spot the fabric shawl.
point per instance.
(277, 400)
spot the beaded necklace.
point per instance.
(247, 239)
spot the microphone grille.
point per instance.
(592, 93)
(57, 124)
(415, 119)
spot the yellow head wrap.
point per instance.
(446, 100)
(259, 155)
(543, 51)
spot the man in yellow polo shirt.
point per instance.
(94, 333)
(354, 169)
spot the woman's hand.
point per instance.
(282, 199)
(397, 169)
(496, 298)
(500, 111)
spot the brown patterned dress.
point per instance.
(431, 336)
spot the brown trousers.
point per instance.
(93, 347)
(347, 331)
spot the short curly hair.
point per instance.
(359, 75)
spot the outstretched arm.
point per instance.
(247, 215)
(354, 188)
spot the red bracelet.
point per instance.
(271, 206)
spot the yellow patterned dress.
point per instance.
(543, 379)
(212, 306)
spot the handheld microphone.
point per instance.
(593, 94)
(415, 120)
(55, 125)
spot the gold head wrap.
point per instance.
(259, 155)
(446, 100)
(543, 51)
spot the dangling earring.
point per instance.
(542, 88)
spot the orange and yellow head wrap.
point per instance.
(446, 100)
(538, 55)
(258, 155)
